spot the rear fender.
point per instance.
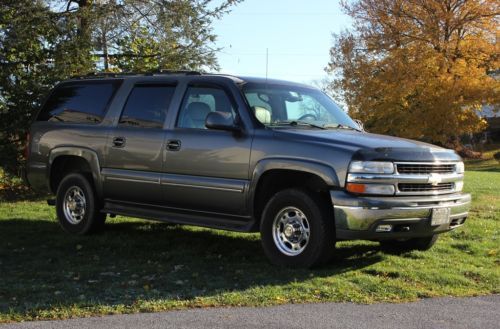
(87, 154)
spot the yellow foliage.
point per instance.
(418, 68)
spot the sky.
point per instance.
(297, 34)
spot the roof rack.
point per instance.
(123, 74)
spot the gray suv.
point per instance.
(242, 154)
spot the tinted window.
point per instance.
(79, 102)
(198, 102)
(147, 106)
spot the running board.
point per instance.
(179, 216)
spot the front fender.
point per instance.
(325, 172)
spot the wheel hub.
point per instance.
(74, 205)
(291, 231)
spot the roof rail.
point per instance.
(185, 72)
(123, 74)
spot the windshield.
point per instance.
(282, 105)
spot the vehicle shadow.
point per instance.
(41, 266)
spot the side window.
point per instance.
(147, 106)
(79, 102)
(198, 102)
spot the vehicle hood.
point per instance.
(367, 146)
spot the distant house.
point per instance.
(491, 113)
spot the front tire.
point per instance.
(76, 206)
(297, 229)
(410, 244)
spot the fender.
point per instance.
(325, 172)
(89, 155)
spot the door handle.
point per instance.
(173, 145)
(119, 141)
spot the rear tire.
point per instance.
(410, 244)
(297, 229)
(77, 208)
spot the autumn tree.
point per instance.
(418, 68)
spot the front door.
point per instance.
(206, 170)
(135, 147)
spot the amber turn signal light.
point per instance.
(356, 188)
(382, 189)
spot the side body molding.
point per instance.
(87, 154)
(325, 172)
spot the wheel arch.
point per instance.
(68, 159)
(272, 175)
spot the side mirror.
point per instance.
(221, 121)
(360, 124)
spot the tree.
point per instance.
(418, 68)
(158, 34)
(27, 42)
(46, 41)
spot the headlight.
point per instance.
(460, 168)
(371, 167)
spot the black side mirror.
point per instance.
(221, 121)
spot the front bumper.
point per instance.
(358, 217)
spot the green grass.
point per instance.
(487, 161)
(140, 266)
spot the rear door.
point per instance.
(206, 170)
(135, 146)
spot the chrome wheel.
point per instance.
(291, 231)
(74, 205)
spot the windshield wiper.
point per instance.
(132, 122)
(339, 126)
(298, 123)
(57, 117)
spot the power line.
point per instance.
(285, 14)
(272, 54)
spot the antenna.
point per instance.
(267, 62)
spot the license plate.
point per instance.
(440, 216)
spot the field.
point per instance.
(141, 266)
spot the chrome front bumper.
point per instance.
(358, 217)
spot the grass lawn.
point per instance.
(140, 266)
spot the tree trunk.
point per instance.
(83, 20)
(105, 50)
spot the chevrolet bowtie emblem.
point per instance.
(434, 179)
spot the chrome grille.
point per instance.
(422, 169)
(416, 178)
(410, 187)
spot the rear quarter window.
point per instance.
(79, 102)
